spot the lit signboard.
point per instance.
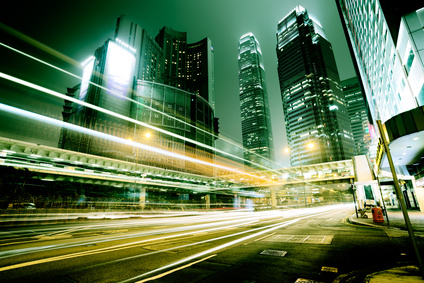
(119, 69)
(86, 75)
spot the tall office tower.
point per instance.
(357, 109)
(174, 46)
(313, 102)
(200, 70)
(386, 43)
(254, 106)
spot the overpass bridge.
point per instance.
(308, 182)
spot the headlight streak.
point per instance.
(239, 217)
(52, 121)
(215, 249)
(104, 250)
(38, 44)
(148, 219)
(7, 254)
(150, 108)
(40, 61)
(323, 210)
(65, 97)
(54, 93)
(61, 56)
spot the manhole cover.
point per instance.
(61, 279)
(301, 239)
(302, 280)
(329, 269)
(273, 252)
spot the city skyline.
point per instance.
(79, 39)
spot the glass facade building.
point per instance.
(254, 106)
(146, 79)
(357, 110)
(387, 42)
(313, 102)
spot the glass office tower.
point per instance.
(357, 110)
(254, 106)
(313, 102)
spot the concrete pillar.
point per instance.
(142, 198)
(273, 199)
(236, 202)
(208, 201)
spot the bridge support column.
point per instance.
(208, 201)
(142, 198)
(273, 199)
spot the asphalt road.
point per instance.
(272, 246)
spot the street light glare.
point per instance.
(287, 150)
(310, 145)
(148, 135)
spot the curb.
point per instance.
(408, 273)
(351, 220)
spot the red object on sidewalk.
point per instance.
(377, 215)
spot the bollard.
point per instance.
(377, 215)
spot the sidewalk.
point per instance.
(396, 220)
(395, 227)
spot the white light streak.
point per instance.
(152, 109)
(100, 109)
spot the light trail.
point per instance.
(108, 249)
(90, 132)
(234, 223)
(268, 229)
(176, 269)
(152, 109)
(38, 44)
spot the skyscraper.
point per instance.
(254, 106)
(357, 110)
(200, 70)
(174, 46)
(313, 102)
